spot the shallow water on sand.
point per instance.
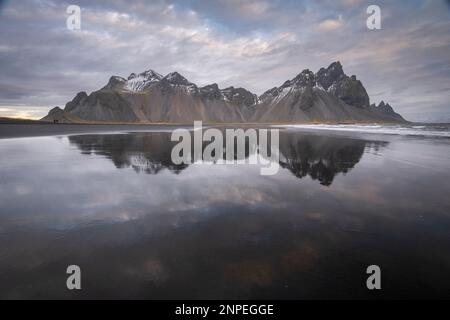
(141, 227)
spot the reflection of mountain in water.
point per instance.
(319, 157)
(144, 152)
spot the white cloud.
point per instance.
(22, 112)
(330, 24)
(253, 44)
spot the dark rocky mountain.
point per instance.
(61, 116)
(385, 108)
(148, 97)
(326, 96)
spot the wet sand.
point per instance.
(141, 227)
(21, 130)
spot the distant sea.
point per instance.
(413, 129)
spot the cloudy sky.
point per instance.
(256, 44)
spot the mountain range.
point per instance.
(149, 97)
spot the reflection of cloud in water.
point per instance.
(218, 231)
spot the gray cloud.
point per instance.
(256, 44)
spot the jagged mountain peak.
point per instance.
(141, 81)
(335, 69)
(80, 95)
(385, 107)
(239, 96)
(336, 66)
(210, 87)
(152, 73)
(117, 78)
(328, 95)
(210, 91)
(332, 79)
(148, 74)
(114, 81)
(176, 78)
(134, 82)
(236, 91)
(304, 78)
(327, 77)
(55, 109)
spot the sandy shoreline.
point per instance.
(19, 128)
(23, 130)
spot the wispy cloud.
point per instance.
(256, 44)
(330, 24)
(23, 112)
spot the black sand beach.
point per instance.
(141, 227)
(35, 129)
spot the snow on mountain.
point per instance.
(141, 81)
(328, 95)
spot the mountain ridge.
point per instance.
(149, 97)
